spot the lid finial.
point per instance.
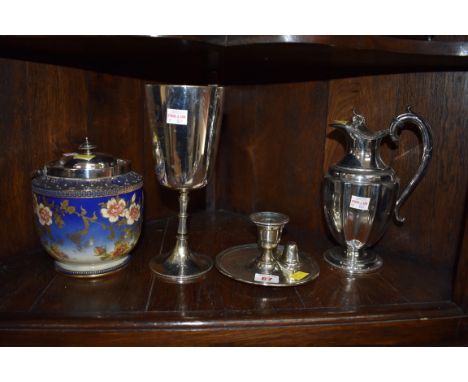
(87, 146)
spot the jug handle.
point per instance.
(426, 135)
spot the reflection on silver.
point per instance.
(268, 263)
(185, 122)
(87, 164)
(360, 192)
(289, 261)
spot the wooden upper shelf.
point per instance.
(239, 59)
(380, 43)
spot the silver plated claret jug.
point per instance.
(361, 192)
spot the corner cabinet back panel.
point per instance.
(271, 151)
(42, 112)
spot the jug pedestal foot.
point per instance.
(367, 261)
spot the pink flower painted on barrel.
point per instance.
(44, 214)
(133, 212)
(114, 209)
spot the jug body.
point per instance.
(358, 209)
(361, 193)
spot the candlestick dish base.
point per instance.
(241, 263)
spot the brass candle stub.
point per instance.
(268, 263)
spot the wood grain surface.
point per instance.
(441, 332)
(461, 276)
(271, 151)
(134, 307)
(15, 165)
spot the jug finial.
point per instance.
(358, 119)
(357, 129)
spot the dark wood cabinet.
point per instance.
(281, 94)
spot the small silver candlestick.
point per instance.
(270, 227)
(268, 263)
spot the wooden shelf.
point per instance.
(377, 43)
(239, 59)
(404, 303)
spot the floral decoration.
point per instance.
(44, 214)
(121, 248)
(122, 231)
(114, 209)
(57, 253)
(132, 214)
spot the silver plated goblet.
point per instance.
(185, 122)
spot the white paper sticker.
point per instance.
(273, 279)
(359, 202)
(176, 116)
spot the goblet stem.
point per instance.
(181, 251)
(183, 203)
(181, 265)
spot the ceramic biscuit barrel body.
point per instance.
(88, 210)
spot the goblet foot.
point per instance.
(367, 261)
(193, 268)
